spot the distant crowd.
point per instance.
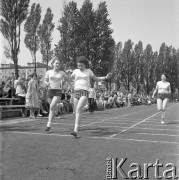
(102, 99)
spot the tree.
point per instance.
(138, 54)
(71, 35)
(161, 60)
(172, 68)
(31, 25)
(13, 13)
(148, 68)
(102, 44)
(45, 32)
(86, 32)
(127, 62)
(117, 64)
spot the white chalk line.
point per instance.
(153, 120)
(106, 138)
(146, 124)
(117, 117)
(139, 122)
(122, 127)
(158, 134)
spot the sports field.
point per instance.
(30, 153)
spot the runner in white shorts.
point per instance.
(82, 77)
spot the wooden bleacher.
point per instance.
(12, 108)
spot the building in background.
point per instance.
(7, 70)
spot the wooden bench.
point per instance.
(10, 108)
(8, 101)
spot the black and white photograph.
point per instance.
(89, 89)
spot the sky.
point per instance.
(150, 21)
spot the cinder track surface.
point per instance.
(29, 153)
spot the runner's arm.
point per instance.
(155, 91)
(101, 78)
(47, 79)
(169, 89)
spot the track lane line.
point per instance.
(106, 138)
(159, 134)
(122, 127)
(117, 117)
(146, 124)
(139, 122)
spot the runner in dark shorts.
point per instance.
(55, 80)
(162, 96)
(54, 92)
(163, 91)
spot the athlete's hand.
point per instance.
(108, 75)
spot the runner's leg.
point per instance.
(164, 106)
(79, 109)
(54, 102)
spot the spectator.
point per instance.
(1, 88)
(8, 88)
(32, 96)
(21, 93)
(119, 102)
(42, 100)
(111, 101)
(91, 99)
(129, 99)
(16, 82)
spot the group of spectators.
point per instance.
(98, 99)
(22, 90)
(106, 99)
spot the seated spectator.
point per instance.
(104, 99)
(139, 100)
(119, 102)
(149, 100)
(59, 109)
(20, 89)
(21, 93)
(124, 99)
(1, 88)
(99, 103)
(67, 105)
(17, 82)
(111, 101)
(8, 88)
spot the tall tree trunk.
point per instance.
(88, 49)
(16, 67)
(47, 61)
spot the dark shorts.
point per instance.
(163, 96)
(54, 92)
(79, 93)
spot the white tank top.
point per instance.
(55, 79)
(163, 87)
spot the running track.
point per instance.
(134, 133)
